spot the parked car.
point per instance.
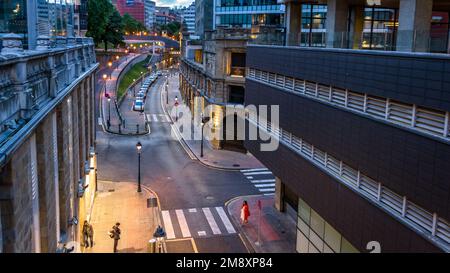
(138, 105)
(159, 73)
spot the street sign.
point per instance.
(152, 202)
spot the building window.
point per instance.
(237, 68)
(439, 35)
(315, 235)
(198, 57)
(380, 27)
(313, 25)
(237, 94)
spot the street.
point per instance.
(192, 196)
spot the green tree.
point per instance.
(99, 12)
(132, 25)
(114, 30)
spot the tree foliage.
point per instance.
(104, 23)
(132, 25)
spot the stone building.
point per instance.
(47, 142)
(213, 73)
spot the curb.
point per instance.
(248, 245)
(233, 169)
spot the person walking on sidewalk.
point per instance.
(85, 234)
(115, 234)
(245, 213)
(90, 233)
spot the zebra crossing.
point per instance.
(158, 118)
(196, 222)
(262, 179)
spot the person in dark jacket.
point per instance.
(115, 234)
(90, 234)
(85, 234)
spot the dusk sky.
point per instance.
(172, 3)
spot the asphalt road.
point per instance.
(182, 184)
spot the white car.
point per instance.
(138, 105)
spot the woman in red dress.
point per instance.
(245, 213)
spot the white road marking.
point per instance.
(266, 190)
(183, 224)
(254, 173)
(250, 177)
(225, 220)
(192, 210)
(212, 223)
(254, 170)
(269, 194)
(168, 224)
(201, 233)
(100, 121)
(167, 118)
(262, 181)
(148, 118)
(264, 185)
(155, 118)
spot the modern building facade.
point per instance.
(135, 8)
(203, 16)
(150, 14)
(30, 19)
(364, 107)
(189, 18)
(80, 17)
(247, 13)
(47, 135)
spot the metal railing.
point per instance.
(434, 228)
(427, 121)
(383, 39)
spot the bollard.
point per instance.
(120, 131)
(151, 247)
(137, 128)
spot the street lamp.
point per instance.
(104, 79)
(176, 108)
(204, 121)
(159, 235)
(109, 110)
(138, 148)
(167, 91)
(110, 65)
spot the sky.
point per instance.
(172, 3)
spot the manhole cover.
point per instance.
(236, 165)
(209, 198)
(111, 190)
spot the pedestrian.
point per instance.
(115, 234)
(91, 234)
(245, 213)
(85, 234)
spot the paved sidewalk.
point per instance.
(222, 159)
(111, 90)
(120, 202)
(278, 230)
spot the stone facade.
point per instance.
(209, 82)
(47, 139)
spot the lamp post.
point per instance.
(109, 111)
(110, 65)
(167, 91)
(204, 121)
(138, 148)
(176, 108)
(159, 235)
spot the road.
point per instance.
(191, 195)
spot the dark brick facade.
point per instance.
(423, 79)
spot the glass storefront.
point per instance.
(313, 25)
(315, 235)
(440, 30)
(380, 26)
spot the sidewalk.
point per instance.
(222, 159)
(278, 230)
(120, 202)
(111, 90)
